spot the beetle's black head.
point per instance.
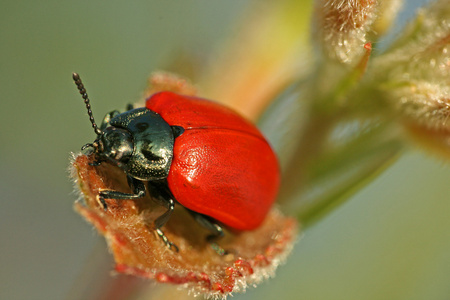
(115, 145)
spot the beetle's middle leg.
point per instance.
(161, 194)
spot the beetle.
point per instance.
(191, 151)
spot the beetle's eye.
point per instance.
(117, 143)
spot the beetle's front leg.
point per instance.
(161, 194)
(136, 186)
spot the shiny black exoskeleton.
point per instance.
(140, 142)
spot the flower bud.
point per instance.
(342, 27)
(416, 70)
(426, 104)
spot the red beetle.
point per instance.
(190, 151)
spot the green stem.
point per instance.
(331, 200)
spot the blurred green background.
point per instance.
(390, 241)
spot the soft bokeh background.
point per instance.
(390, 241)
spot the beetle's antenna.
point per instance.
(84, 94)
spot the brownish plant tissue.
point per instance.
(128, 228)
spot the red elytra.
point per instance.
(222, 165)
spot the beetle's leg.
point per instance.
(161, 194)
(163, 197)
(216, 230)
(108, 118)
(162, 219)
(136, 186)
(210, 224)
(166, 241)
